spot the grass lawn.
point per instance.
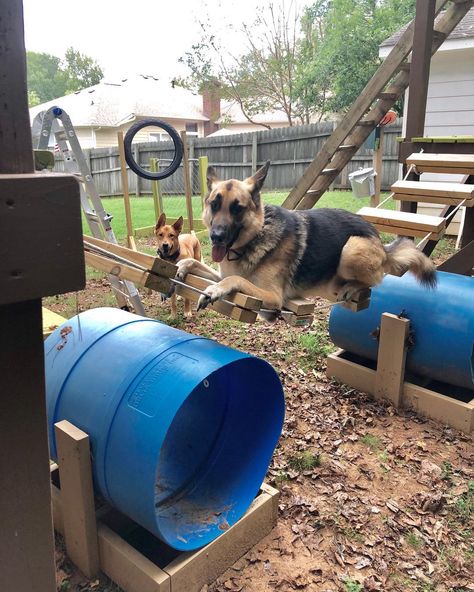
(143, 211)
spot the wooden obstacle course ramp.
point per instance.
(442, 163)
(458, 191)
(404, 223)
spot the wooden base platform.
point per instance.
(98, 537)
(386, 379)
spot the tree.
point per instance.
(263, 77)
(81, 70)
(345, 38)
(49, 77)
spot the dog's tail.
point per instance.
(402, 256)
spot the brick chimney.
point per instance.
(211, 107)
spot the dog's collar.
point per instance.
(237, 255)
(172, 257)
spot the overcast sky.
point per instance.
(133, 37)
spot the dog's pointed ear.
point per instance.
(211, 177)
(161, 221)
(255, 182)
(178, 225)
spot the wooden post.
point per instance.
(377, 164)
(203, 164)
(419, 78)
(187, 181)
(391, 358)
(77, 497)
(26, 532)
(126, 195)
(156, 189)
(254, 153)
(136, 156)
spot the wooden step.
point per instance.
(404, 223)
(432, 188)
(444, 201)
(443, 163)
(346, 147)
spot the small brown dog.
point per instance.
(174, 246)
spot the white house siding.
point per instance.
(449, 108)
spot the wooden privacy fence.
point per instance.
(289, 149)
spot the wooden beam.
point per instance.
(457, 190)
(403, 219)
(77, 497)
(391, 358)
(461, 262)
(126, 195)
(299, 306)
(188, 191)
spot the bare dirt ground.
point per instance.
(371, 498)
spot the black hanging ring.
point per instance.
(178, 149)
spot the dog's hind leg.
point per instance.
(188, 310)
(174, 309)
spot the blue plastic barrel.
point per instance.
(442, 322)
(182, 429)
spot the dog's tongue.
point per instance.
(218, 253)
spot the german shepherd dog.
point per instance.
(273, 254)
(174, 246)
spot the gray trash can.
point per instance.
(363, 182)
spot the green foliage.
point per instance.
(351, 585)
(49, 77)
(371, 441)
(340, 48)
(304, 461)
(463, 509)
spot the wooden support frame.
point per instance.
(124, 563)
(125, 191)
(203, 164)
(388, 380)
(79, 522)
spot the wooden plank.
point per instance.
(127, 567)
(425, 401)
(77, 497)
(44, 209)
(461, 262)
(225, 308)
(51, 321)
(453, 201)
(446, 410)
(191, 571)
(297, 320)
(299, 306)
(242, 300)
(441, 189)
(410, 232)
(203, 164)
(444, 170)
(391, 358)
(394, 218)
(125, 272)
(126, 195)
(155, 264)
(462, 161)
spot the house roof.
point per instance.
(463, 30)
(114, 103)
(231, 114)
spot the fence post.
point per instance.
(254, 153)
(203, 164)
(126, 196)
(156, 189)
(136, 156)
(187, 181)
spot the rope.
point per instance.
(410, 169)
(422, 242)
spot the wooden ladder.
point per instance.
(451, 195)
(382, 91)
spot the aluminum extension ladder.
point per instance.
(58, 122)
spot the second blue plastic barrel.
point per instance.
(182, 429)
(442, 322)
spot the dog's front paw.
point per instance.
(185, 266)
(211, 294)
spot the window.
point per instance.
(158, 137)
(192, 129)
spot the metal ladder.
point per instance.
(76, 164)
(382, 91)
